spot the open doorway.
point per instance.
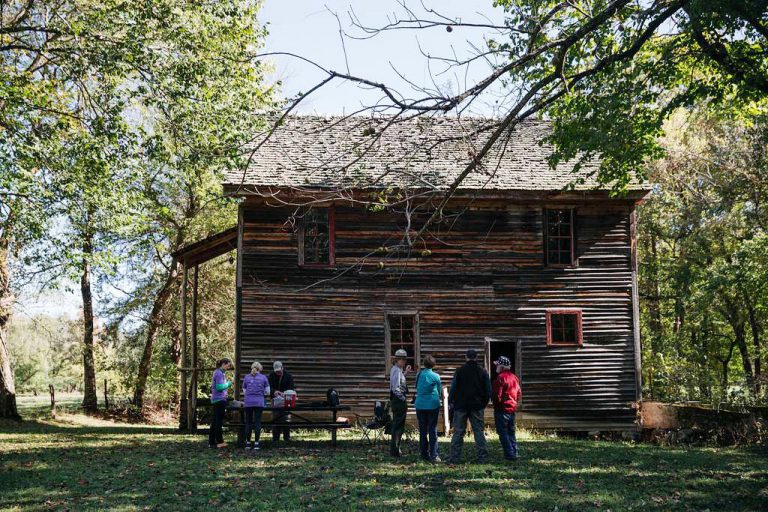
(495, 348)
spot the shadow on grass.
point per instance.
(45, 466)
(72, 428)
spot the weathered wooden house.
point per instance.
(527, 261)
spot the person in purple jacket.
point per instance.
(255, 387)
(219, 387)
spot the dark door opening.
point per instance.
(497, 348)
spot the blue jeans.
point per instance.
(428, 429)
(253, 423)
(505, 427)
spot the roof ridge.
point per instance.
(411, 119)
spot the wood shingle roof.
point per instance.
(309, 152)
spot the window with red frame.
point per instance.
(316, 238)
(559, 237)
(564, 328)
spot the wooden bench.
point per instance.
(298, 420)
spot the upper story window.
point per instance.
(558, 237)
(316, 238)
(564, 327)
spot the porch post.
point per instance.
(193, 383)
(239, 298)
(183, 403)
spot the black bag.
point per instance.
(332, 398)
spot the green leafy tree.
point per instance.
(46, 350)
(217, 100)
(703, 274)
(110, 87)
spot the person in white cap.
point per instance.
(398, 395)
(280, 381)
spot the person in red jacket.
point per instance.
(506, 395)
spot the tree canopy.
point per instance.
(704, 269)
(115, 117)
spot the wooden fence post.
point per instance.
(53, 401)
(446, 418)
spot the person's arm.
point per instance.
(487, 382)
(452, 390)
(221, 386)
(267, 391)
(394, 383)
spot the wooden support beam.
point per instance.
(239, 298)
(446, 413)
(635, 306)
(183, 403)
(193, 383)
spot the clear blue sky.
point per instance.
(308, 28)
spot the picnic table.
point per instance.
(299, 420)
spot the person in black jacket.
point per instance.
(469, 394)
(279, 382)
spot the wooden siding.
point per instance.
(484, 276)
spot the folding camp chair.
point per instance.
(373, 428)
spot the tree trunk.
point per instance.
(705, 384)
(175, 352)
(741, 344)
(153, 325)
(654, 305)
(7, 386)
(89, 369)
(725, 362)
(756, 329)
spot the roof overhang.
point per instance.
(207, 248)
(296, 195)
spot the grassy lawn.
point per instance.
(78, 463)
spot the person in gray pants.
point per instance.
(469, 394)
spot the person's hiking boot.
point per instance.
(436, 459)
(255, 446)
